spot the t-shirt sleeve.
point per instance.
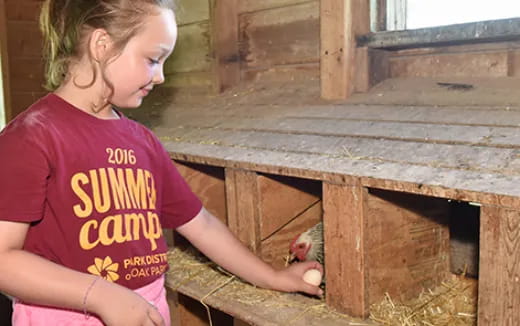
(24, 170)
(180, 204)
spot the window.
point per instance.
(413, 14)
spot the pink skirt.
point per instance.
(29, 315)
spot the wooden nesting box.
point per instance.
(376, 242)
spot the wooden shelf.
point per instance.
(196, 277)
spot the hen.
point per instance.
(308, 245)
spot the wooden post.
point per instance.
(344, 235)
(224, 19)
(5, 97)
(242, 206)
(341, 22)
(499, 275)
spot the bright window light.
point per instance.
(429, 13)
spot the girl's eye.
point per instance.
(153, 61)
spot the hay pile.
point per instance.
(453, 303)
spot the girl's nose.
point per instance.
(158, 77)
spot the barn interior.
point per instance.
(284, 113)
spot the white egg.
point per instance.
(312, 276)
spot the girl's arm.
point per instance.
(36, 280)
(214, 239)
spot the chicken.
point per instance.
(308, 245)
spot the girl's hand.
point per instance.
(291, 279)
(119, 306)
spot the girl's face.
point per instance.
(140, 65)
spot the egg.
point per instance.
(312, 276)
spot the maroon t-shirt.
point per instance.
(96, 192)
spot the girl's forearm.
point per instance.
(216, 241)
(35, 280)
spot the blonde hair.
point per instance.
(65, 25)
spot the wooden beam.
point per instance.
(242, 206)
(499, 279)
(459, 34)
(4, 64)
(225, 43)
(341, 22)
(344, 235)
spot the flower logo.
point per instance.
(105, 268)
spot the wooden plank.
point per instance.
(405, 131)
(282, 199)
(207, 183)
(457, 157)
(192, 51)
(465, 115)
(192, 11)
(487, 64)
(225, 29)
(484, 31)
(282, 36)
(4, 65)
(341, 21)
(275, 248)
(407, 244)
(345, 229)
(245, 6)
(499, 287)
(242, 206)
(432, 181)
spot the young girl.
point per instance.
(85, 192)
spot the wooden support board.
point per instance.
(499, 278)
(341, 22)
(225, 43)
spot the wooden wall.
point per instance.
(24, 53)
(278, 40)
(191, 63)
(479, 60)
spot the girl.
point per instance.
(85, 191)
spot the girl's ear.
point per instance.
(99, 44)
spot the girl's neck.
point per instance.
(83, 100)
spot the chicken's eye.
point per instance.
(301, 246)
